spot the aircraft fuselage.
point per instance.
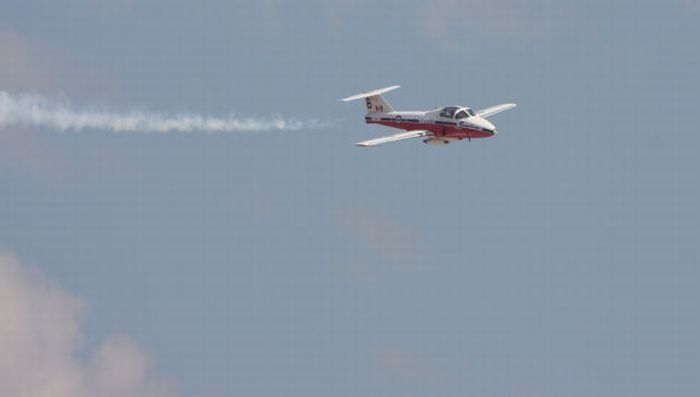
(441, 128)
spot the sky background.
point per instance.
(557, 259)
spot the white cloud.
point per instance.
(40, 354)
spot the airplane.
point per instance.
(438, 126)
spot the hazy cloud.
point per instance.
(111, 6)
(401, 363)
(40, 352)
(690, 5)
(24, 63)
(458, 24)
(274, 14)
(388, 236)
(22, 151)
(30, 66)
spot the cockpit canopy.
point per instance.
(454, 112)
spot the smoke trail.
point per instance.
(31, 110)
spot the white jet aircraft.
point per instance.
(439, 126)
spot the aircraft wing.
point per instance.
(494, 109)
(393, 138)
(371, 93)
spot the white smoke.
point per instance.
(32, 110)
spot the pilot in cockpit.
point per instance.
(448, 113)
(456, 113)
(464, 113)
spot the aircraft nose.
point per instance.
(486, 125)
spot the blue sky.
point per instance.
(558, 258)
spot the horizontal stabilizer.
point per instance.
(370, 93)
(393, 138)
(494, 109)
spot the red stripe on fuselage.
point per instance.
(439, 130)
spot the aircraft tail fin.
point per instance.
(374, 101)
